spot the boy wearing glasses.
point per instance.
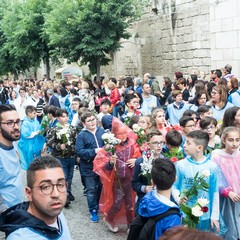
(140, 183)
(88, 144)
(40, 217)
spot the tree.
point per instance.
(88, 30)
(23, 32)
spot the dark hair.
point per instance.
(222, 81)
(168, 82)
(229, 117)
(178, 75)
(174, 138)
(218, 72)
(139, 95)
(74, 91)
(86, 115)
(153, 133)
(6, 108)
(203, 109)
(175, 93)
(60, 112)
(45, 109)
(41, 163)
(188, 113)
(129, 82)
(76, 99)
(30, 109)
(106, 102)
(234, 83)
(182, 81)
(52, 110)
(206, 121)
(200, 137)
(198, 96)
(180, 233)
(184, 120)
(163, 173)
(129, 97)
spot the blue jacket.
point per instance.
(54, 101)
(86, 144)
(154, 204)
(17, 223)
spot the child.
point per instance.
(145, 122)
(228, 159)
(116, 171)
(104, 108)
(157, 202)
(63, 148)
(187, 125)
(31, 142)
(209, 124)
(196, 162)
(140, 182)
(173, 142)
(204, 111)
(159, 121)
(176, 109)
(89, 142)
(132, 103)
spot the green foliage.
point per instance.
(88, 29)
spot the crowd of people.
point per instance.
(139, 148)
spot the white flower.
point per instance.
(203, 202)
(129, 114)
(107, 136)
(135, 127)
(196, 211)
(217, 139)
(206, 173)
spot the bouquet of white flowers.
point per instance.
(110, 142)
(64, 137)
(146, 165)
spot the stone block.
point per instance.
(205, 44)
(228, 54)
(216, 55)
(227, 24)
(226, 39)
(226, 9)
(196, 45)
(236, 22)
(216, 26)
(236, 54)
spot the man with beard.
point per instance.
(10, 171)
(41, 217)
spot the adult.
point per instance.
(138, 84)
(166, 90)
(219, 102)
(53, 100)
(10, 170)
(147, 78)
(227, 72)
(22, 102)
(217, 74)
(41, 217)
(39, 103)
(182, 84)
(234, 93)
(191, 85)
(149, 101)
(3, 93)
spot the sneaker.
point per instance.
(94, 216)
(71, 197)
(113, 229)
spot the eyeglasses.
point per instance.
(157, 143)
(193, 125)
(11, 124)
(209, 128)
(214, 93)
(47, 188)
(91, 120)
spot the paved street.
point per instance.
(78, 218)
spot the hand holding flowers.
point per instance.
(142, 138)
(200, 207)
(110, 142)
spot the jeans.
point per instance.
(93, 191)
(68, 169)
(115, 110)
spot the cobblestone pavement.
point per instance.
(78, 217)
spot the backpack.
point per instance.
(143, 228)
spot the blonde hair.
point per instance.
(223, 95)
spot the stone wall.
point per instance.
(181, 35)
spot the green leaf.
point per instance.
(186, 209)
